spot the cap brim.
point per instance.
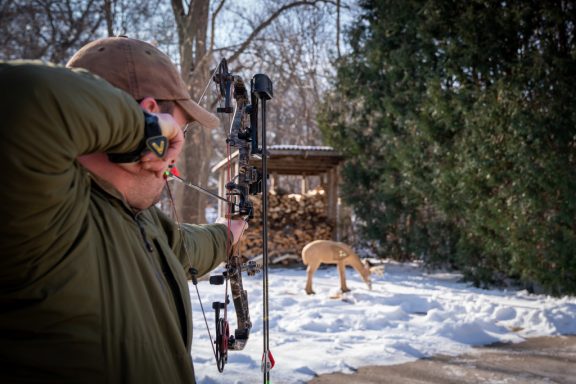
(202, 116)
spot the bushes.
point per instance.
(460, 127)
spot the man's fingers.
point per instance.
(133, 168)
(237, 227)
(149, 161)
(158, 165)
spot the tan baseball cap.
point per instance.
(141, 70)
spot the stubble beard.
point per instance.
(146, 191)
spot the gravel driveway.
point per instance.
(537, 360)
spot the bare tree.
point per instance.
(192, 26)
(135, 18)
(297, 56)
(297, 52)
(287, 39)
(53, 30)
(47, 29)
(197, 55)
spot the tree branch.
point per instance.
(214, 15)
(269, 21)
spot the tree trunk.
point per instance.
(192, 28)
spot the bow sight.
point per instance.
(243, 135)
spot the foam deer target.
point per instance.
(332, 252)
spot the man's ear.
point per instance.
(149, 104)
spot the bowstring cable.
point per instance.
(228, 234)
(209, 82)
(175, 213)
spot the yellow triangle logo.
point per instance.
(158, 145)
(158, 148)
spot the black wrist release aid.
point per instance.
(153, 141)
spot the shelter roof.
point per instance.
(296, 159)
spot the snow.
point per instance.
(407, 315)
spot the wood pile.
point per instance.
(293, 221)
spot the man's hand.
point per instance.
(150, 162)
(237, 227)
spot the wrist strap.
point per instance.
(153, 141)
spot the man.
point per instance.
(93, 281)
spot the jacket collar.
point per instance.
(110, 190)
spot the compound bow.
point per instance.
(250, 180)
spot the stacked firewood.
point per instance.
(293, 221)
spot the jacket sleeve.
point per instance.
(51, 115)
(206, 247)
(202, 247)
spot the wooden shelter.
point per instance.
(295, 160)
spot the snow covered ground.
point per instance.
(406, 316)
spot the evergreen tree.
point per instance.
(460, 129)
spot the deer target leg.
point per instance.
(342, 273)
(312, 267)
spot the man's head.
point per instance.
(141, 70)
(150, 77)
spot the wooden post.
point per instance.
(303, 185)
(338, 204)
(273, 181)
(332, 200)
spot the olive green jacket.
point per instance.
(90, 291)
